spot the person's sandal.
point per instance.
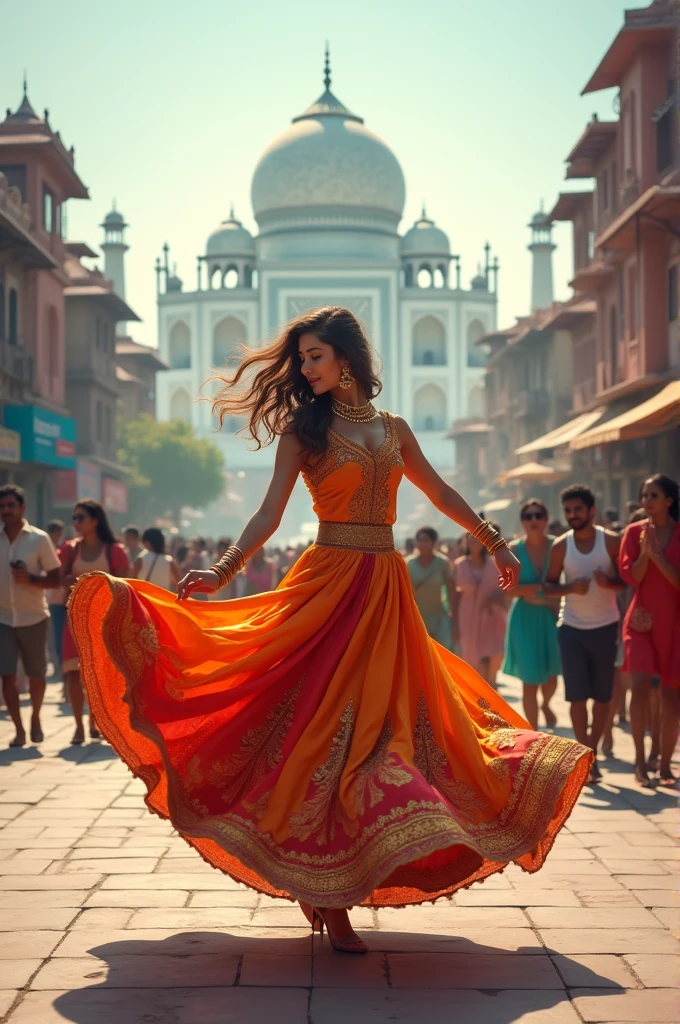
(348, 946)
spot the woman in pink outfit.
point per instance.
(482, 611)
(649, 560)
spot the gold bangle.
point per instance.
(500, 543)
(231, 562)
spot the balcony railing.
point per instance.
(532, 404)
(16, 362)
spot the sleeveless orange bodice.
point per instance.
(349, 484)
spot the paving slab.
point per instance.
(609, 940)
(655, 970)
(134, 972)
(101, 1005)
(594, 971)
(602, 917)
(135, 898)
(16, 973)
(340, 1005)
(646, 1005)
(471, 971)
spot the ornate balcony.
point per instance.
(532, 404)
(16, 362)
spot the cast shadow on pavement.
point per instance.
(235, 978)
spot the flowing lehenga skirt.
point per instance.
(313, 742)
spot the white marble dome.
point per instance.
(425, 239)
(328, 159)
(230, 239)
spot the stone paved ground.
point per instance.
(107, 917)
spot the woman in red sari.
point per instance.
(314, 742)
(649, 560)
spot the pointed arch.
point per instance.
(428, 342)
(180, 405)
(227, 335)
(429, 408)
(179, 346)
(476, 356)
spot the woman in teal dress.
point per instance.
(531, 652)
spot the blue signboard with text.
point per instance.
(46, 437)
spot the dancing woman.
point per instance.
(313, 742)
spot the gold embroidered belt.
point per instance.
(371, 537)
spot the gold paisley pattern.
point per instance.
(322, 812)
(500, 766)
(259, 754)
(430, 760)
(378, 769)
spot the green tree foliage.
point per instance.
(170, 467)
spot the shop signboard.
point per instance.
(114, 495)
(88, 480)
(46, 437)
(10, 445)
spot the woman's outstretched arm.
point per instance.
(265, 522)
(419, 471)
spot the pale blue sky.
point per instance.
(169, 105)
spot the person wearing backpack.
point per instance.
(94, 550)
(153, 564)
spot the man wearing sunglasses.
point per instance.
(587, 557)
(28, 567)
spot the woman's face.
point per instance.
(319, 363)
(83, 522)
(147, 544)
(653, 500)
(424, 543)
(534, 520)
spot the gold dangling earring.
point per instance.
(346, 378)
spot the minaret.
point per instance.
(541, 249)
(114, 249)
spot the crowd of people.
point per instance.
(597, 602)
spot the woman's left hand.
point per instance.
(508, 568)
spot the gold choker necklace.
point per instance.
(353, 413)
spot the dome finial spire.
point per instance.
(327, 67)
(25, 84)
(231, 210)
(424, 211)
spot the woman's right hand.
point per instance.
(198, 581)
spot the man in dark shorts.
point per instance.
(29, 566)
(589, 615)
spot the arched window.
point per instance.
(228, 334)
(180, 346)
(476, 356)
(408, 276)
(180, 405)
(52, 343)
(429, 408)
(429, 342)
(425, 277)
(215, 278)
(13, 326)
(230, 278)
(254, 278)
(439, 278)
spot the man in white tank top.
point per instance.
(587, 558)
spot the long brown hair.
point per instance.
(269, 388)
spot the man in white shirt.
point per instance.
(28, 567)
